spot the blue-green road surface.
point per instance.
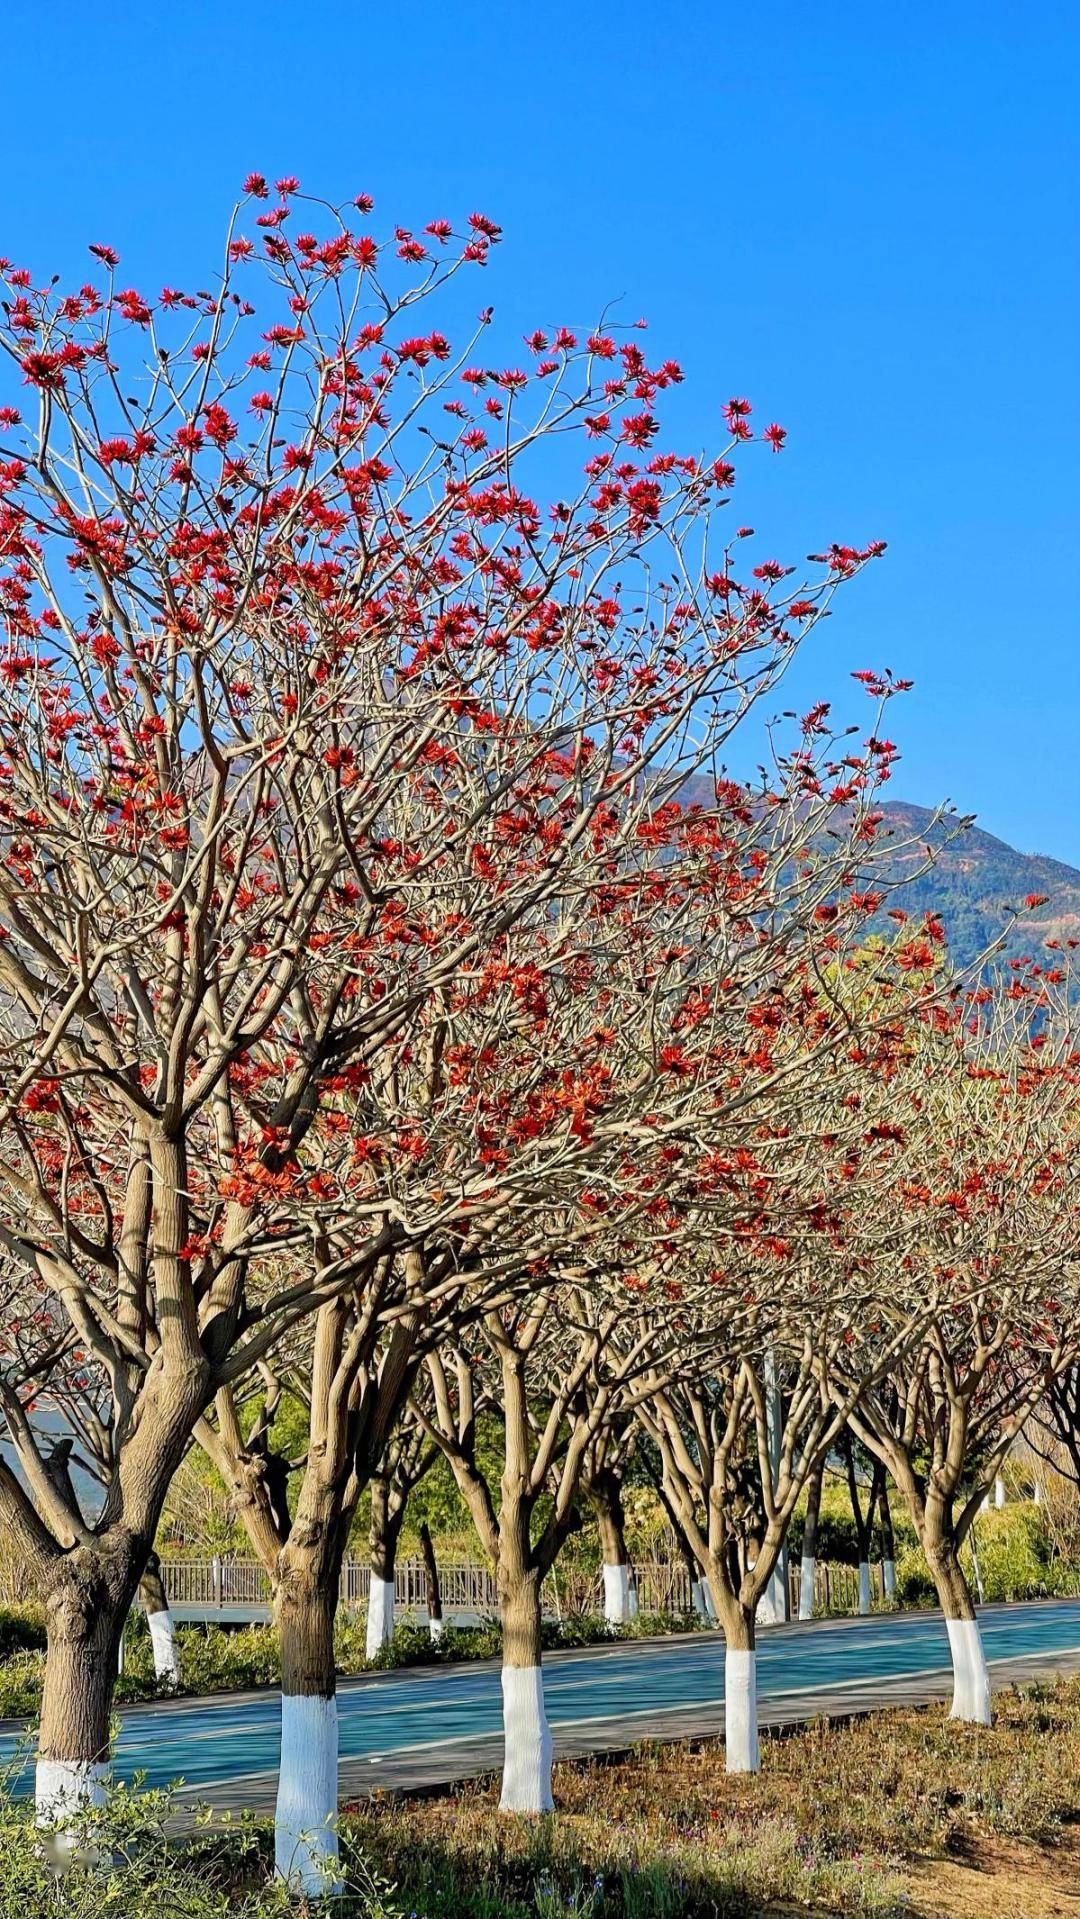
(424, 1726)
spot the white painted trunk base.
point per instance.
(702, 1600)
(435, 1630)
(971, 1680)
(806, 1586)
(526, 1780)
(741, 1749)
(164, 1647)
(864, 1587)
(305, 1822)
(888, 1570)
(618, 1595)
(64, 1787)
(999, 1492)
(772, 1606)
(380, 1615)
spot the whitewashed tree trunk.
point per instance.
(380, 1615)
(84, 1620)
(159, 1620)
(305, 1820)
(618, 1595)
(809, 1545)
(999, 1492)
(528, 1752)
(431, 1579)
(807, 1569)
(703, 1601)
(864, 1587)
(971, 1679)
(773, 1610)
(305, 1824)
(772, 1606)
(742, 1751)
(620, 1598)
(164, 1647)
(888, 1569)
(64, 1789)
(527, 1744)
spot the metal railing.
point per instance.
(469, 1586)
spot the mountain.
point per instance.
(975, 878)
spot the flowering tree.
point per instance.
(977, 1239)
(543, 1367)
(303, 705)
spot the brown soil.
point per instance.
(999, 1880)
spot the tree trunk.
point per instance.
(809, 1546)
(526, 1782)
(865, 1596)
(620, 1599)
(305, 1832)
(159, 1619)
(385, 1532)
(773, 1605)
(86, 1604)
(431, 1576)
(888, 1538)
(971, 1680)
(742, 1752)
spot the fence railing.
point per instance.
(469, 1587)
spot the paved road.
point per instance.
(426, 1726)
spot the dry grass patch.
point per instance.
(882, 1817)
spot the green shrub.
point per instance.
(22, 1629)
(914, 1586)
(212, 1659)
(21, 1680)
(128, 1865)
(1015, 1557)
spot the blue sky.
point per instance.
(863, 217)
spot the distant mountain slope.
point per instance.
(975, 877)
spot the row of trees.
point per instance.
(401, 1005)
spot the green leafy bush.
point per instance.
(1016, 1560)
(212, 1659)
(126, 1863)
(22, 1629)
(21, 1680)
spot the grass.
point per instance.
(834, 1822)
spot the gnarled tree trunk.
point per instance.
(86, 1599)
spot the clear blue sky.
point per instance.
(862, 216)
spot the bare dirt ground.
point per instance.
(1002, 1880)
